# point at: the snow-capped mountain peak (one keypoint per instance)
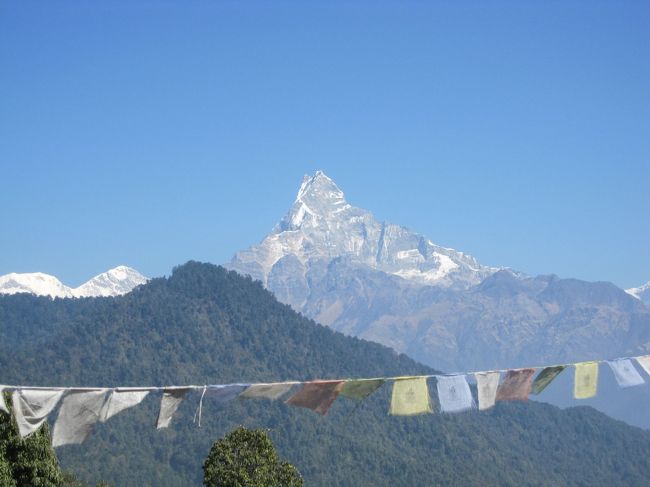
(114, 282)
(641, 292)
(321, 226)
(318, 198)
(35, 283)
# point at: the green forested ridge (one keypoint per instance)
(206, 325)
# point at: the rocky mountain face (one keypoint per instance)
(322, 228)
(503, 322)
(114, 282)
(642, 292)
(336, 264)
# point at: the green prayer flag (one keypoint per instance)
(545, 377)
(586, 380)
(360, 388)
(410, 396)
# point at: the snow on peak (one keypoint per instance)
(318, 199)
(319, 187)
(321, 226)
(114, 282)
(34, 282)
(641, 292)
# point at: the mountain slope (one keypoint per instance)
(205, 325)
(503, 322)
(114, 282)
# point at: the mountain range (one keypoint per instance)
(204, 325)
(340, 266)
(382, 282)
(337, 264)
(114, 282)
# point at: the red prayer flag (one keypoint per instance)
(516, 386)
(317, 395)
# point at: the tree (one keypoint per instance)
(247, 458)
(30, 461)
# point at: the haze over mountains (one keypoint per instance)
(114, 282)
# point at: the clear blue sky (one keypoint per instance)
(150, 133)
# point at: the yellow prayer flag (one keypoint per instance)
(410, 396)
(586, 380)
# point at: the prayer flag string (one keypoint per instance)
(82, 407)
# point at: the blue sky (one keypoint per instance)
(151, 133)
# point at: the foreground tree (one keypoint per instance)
(247, 458)
(30, 461)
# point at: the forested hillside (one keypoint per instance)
(204, 325)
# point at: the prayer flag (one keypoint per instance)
(268, 391)
(454, 394)
(586, 380)
(410, 397)
(545, 377)
(487, 384)
(79, 412)
(171, 399)
(516, 386)
(644, 362)
(31, 407)
(225, 393)
(221, 393)
(119, 400)
(361, 388)
(625, 373)
(3, 404)
(317, 395)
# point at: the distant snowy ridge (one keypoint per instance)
(322, 226)
(114, 282)
(641, 292)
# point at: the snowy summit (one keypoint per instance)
(321, 226)
(641, 292)
(113, 282)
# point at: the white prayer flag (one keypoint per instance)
(31, 407)
(625, 373)
(226, 392)
(79, 412)
(487, 384)
(268, 391)
(119, 400)
(454, 394)
(3, 404)
(644, 362)
(171, 399)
